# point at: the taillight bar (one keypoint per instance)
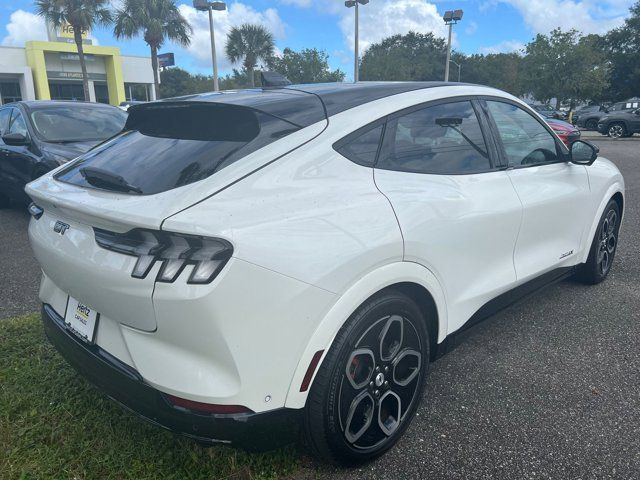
(175, 250)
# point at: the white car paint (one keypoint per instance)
(314, 236)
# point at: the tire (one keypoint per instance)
(380, 357)
(591, 124)
(617, 130)
(603, 247)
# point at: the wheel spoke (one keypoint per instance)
(406, 367)
(360, 416)
(360, 367)
(389, 412)
(391, 338)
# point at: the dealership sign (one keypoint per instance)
(166, 60)
(65, 33)
(55, 75)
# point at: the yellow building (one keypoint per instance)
(45, 70)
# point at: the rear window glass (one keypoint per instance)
(165, 146)
(77, 123)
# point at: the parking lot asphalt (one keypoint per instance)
(549, 388)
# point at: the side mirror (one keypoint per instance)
(583, 153)
(15, 139)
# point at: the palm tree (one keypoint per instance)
(249, 43)
(82, 15)
(157, 20)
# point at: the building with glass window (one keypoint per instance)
(51, 71)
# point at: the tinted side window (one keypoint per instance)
(5, 114)
(525, 140)
(17, 124)
(442, 139)
(364, 148)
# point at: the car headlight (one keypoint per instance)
(603, 119)
(174, 250)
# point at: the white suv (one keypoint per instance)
(245, 267)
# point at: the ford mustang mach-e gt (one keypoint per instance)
(256, 267)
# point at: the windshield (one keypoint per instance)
(77, 123)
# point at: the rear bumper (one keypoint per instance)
(251, 431)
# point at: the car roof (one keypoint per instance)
(38, 104)
(306, 104)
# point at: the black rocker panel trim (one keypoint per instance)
(503, 301)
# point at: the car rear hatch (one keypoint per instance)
(170, 156)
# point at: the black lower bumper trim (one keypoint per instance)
(251, 431)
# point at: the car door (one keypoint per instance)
(19, 161)
(458, 212)
(552, 190)
(5, 117)
(634, 121)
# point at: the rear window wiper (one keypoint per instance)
(104, 179)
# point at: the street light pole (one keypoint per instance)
(459, 67)
(356, 62)
(446, 67)
(356, 58)
(203, 5)
(216, 87)
(450, 18)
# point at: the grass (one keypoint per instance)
(54, 424)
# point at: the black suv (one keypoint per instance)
(587, 117)
(620, 124)
(590, 119)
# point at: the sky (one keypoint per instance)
(488, 26)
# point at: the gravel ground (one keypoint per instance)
(549, 388)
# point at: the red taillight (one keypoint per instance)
(207, 407)
(311, 370)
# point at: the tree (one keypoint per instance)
(81, 15)
(623, 44)
(249, 44)
(307, 66)
(414, 56)
(177, 82)
(157, 20)
(565, 65)
(498, 70)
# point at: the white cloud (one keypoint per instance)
(507, 46)
(24, 26)
(381, 19)
(237, 14)
(587, 16)
(297, 3)
(471, 28)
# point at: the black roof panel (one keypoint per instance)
(306, 104)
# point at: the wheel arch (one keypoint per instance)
(412, 279)
(615, 192)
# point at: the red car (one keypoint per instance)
(567, 132)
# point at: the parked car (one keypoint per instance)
(548, 111)
(37, 136)
(249, 266)
(587, 117)
(567, 132)
(129, 103)
(620, 124)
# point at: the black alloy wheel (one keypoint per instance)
(370, 383)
